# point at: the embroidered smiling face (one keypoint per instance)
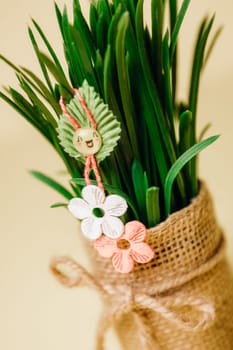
(87, 141)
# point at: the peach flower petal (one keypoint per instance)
(122, 261)
(135, 231)
(141, 252)
(105, 246)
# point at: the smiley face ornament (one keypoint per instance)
(87, 141)
(87, 129)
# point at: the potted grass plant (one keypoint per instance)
(130, 148)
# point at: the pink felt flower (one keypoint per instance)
(127, 249)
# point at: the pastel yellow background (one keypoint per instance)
(36, 313)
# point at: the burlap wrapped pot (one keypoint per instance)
(182, 299)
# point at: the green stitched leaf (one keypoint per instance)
(107, 124)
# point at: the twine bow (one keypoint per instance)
(121, 300)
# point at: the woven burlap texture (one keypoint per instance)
(182, 299)
(189, 263)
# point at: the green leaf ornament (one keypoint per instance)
(108, 126)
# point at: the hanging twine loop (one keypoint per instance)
(121, 300)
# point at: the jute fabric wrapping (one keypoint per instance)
(184, 244)
(182, 299)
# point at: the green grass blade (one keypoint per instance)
(138, 181)
(146, 113)
(157, 20)
(173, 16)
(172, 13)
(10, 64)
(194, 86)
(93, 19)
(59, 17)
(40, 60)
(168, 89)
(178, 165)
(23, 107)
(39, 87)
(197, 67)
(185, 125)
(152, 90)
(85, 61)
(204, 131)
(123, 78)
(211, 46)
(37, 102)
(112, 31)
(177, 27)
(80, 24)
(52, 53)
(35, 83)
(56, 73)
(103, 9)
(185, 142)
(52, 183)
(111, 97)
(152, 206)
(71, 53)
(58, 205)
(102, 34)
(156, 121)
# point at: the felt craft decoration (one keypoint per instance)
(127, 249)
(105, 128)
(99, 213)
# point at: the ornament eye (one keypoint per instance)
(95, 134)
(79, 139)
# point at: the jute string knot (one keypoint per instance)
(189, 312)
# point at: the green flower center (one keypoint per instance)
(98, 212)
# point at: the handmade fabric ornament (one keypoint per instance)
(90, 134)
(88, 130)
(99, 213)
(127, 249)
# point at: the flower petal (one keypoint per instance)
(79, 208)
(135, 231)
(141, 252)
(122, 262)
(91, 227)
(105, 246)
(115, 205)
(93, 195)
(112, 227)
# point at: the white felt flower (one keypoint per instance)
(99, 214)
